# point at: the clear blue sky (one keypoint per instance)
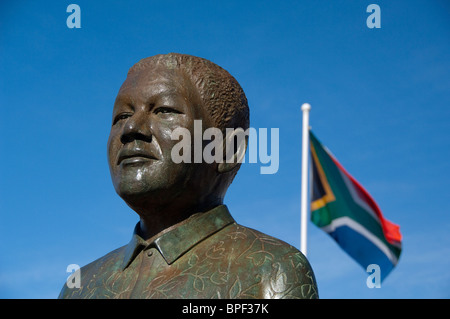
(380, 101)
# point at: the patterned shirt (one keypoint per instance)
(208, 256)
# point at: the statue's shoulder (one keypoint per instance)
(288, 274)
(107, 263)
(91, 273)
(251, 241)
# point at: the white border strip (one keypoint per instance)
(358, 200)
(346, 221)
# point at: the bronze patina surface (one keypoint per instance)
(208, 257)
(186, 244)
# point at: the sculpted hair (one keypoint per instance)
(222, 96)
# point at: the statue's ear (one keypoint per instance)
(234, 146)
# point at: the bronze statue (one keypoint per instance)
(186, 244)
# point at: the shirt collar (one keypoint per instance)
(181, 239)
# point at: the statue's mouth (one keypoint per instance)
(128, 156)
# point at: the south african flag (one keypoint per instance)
(346, 211)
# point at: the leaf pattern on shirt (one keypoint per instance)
(235, 262)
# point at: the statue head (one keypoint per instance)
(160, 94)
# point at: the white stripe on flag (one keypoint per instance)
(358, 200)
(346, 221)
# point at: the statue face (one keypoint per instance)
(150, 104)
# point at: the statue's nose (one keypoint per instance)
(136, 127)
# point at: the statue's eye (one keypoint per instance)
(166, 110)
(120, 117)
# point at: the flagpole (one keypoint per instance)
(304, 195)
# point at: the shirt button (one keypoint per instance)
(150, 253)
